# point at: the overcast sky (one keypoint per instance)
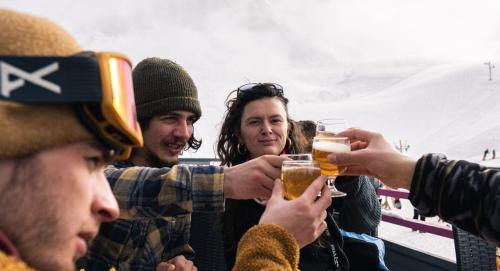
(324, 52)
(349, 30)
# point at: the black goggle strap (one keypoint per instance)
(50, 79)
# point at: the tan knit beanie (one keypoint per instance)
(30, 128)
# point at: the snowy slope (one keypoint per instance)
(451, 109)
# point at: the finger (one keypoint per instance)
(265, 176)
(314, 188)
(348, 158)
(278, 190)
(356, 170)
(267, 185)
(275, 160)
(358, 145)
(325, 200)
(164, 266)
(323, 215)
(271, 173)
(357, 134)
(322, 227)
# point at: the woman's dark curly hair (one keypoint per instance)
(240, 215)
(228, 139)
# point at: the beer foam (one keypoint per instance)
(302, 168)
(327, 146)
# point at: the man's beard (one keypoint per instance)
(155, 161)
(30, 232)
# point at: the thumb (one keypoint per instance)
(278, 189)
(165, 266)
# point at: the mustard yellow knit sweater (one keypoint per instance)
(263, 247)
(267, 247)
(9, 263)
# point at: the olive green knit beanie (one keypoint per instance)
(162, 86)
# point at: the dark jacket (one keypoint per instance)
(460, 192)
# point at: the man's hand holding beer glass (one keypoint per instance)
(373, 155)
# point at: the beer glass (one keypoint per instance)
(299, 156)
(327, 142)
(329, 127)
(297, 175)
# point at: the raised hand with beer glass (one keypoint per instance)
(326, 142)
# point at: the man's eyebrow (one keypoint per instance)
(107, 153)
(170, 114)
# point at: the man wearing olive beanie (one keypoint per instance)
(167, 107)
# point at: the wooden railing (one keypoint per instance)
(412, 223)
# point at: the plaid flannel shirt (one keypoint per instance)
(155, 214)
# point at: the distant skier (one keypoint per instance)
(493, 154)
(485, 153)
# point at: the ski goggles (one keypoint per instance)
(98, 84)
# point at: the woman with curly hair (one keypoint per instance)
(257, 123)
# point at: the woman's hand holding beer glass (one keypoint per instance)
(303, 217)
(326, 142)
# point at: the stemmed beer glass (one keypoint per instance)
(326, 142)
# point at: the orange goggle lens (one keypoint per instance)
(118, 103)
(123, 92)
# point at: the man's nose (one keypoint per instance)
(183, 130)
(104, 205)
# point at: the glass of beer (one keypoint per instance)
(299, 157)
(327, 142)
(297, 175)
(329, 127)
(322, 147)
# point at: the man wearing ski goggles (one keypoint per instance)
(99, 85)
(60, 114)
